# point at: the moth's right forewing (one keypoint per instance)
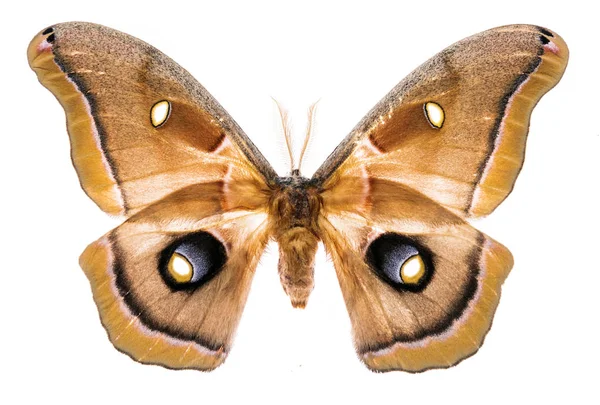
(455, 128)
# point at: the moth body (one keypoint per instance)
(295, 206)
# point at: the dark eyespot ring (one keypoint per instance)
(48, 30)
(192, 260)
(401, 262)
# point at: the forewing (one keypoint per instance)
(128, 149)
(486, 87)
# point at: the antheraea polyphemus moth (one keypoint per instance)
(390, 204)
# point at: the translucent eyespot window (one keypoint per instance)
(412, 270)
(159, 114)
(435, 114)
(180, 269)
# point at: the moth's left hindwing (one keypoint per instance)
(150, 143)
(447, 143)
(171, 282)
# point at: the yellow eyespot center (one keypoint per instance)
(435, 114)
(160, 113)
(413, 270)
(180, 269)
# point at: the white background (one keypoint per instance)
(543, 346)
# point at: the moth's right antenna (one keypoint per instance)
(309, 127)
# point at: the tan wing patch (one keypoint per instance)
(96, 172)
(503, 165)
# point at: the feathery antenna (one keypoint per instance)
(285, 123)
(309, 127)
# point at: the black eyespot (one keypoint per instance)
(401, 262)
(192, 260)
(50, 38)
(544, 39)
(546, 32)
(48, 30)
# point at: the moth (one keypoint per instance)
(390, 204)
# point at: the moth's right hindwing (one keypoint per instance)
(421, 289)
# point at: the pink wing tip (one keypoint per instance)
(552, 47)
(44, 46)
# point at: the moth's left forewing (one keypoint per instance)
(140, 126)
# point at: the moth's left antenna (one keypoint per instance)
(285, 123)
